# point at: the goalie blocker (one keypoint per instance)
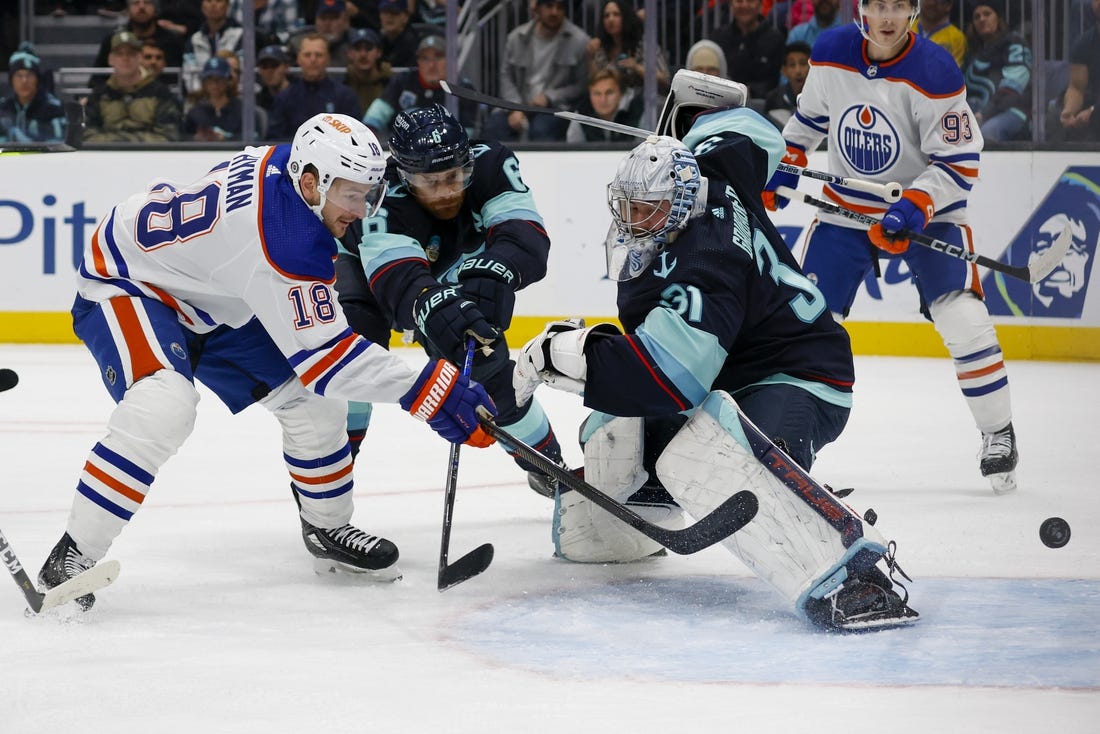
(804, 542)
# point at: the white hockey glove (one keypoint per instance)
(556, 357)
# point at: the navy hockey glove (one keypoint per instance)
(490, 283)
(451, 404)
(909, 215)
(444, 318)
(773, 201)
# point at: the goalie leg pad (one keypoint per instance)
(585, 533)
(803, 541)
(316, 452)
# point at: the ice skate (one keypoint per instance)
(64, 562)
(866, 602)
(347, 549)
(998, 459)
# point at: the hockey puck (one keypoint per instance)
(1054, 532)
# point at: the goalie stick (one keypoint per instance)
(87, 582)
(479, 558)
(723, 521)
(890, 192)
(1031, 273)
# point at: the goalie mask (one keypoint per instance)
(338, 146)
(655, 192)
(693, 92)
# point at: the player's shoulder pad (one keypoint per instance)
(842, 46)
(489, 153)
(294, 240)
(930, 68)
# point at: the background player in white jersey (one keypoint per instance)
(894, 107)
(228, 280)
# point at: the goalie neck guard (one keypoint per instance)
(693, 92)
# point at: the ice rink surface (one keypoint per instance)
(219, 624)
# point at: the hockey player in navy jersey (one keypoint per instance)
(458, 235)
(727, 346)
(893, 106)
(229, 280)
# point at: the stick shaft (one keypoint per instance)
(15, 568)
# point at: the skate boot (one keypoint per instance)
(998, 459)
(64, 562)
(348, 549)
(864, 602)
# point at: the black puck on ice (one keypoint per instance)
(1054, 532)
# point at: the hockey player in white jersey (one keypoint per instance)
(229, 280)
(893, 106)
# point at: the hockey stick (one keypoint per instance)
(479, 558)
(89, 581)
(890, 192)
(1032, 273)
(723, 521)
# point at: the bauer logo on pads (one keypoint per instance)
(1074, 200)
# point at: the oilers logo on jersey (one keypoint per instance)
(869, 142)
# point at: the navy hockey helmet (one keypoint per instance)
(428, 140)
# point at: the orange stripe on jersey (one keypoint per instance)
(327, 478)
(142, 360)
(127, 492)
(961, 170)
(168, 300)
(975, 280)
(861, 208)
(999, 365)
(334, 355)
(99, 263)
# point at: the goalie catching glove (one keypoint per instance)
(491, 284)
(910, 214)
(444, 317)
(556, 357)
(450, 403)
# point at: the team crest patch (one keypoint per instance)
(406, 100)
(868, 141)
(110, 375)
(177, 351)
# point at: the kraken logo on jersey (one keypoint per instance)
(868, 141)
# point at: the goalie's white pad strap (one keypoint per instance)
(803, 540)
(585, 533)
(567, 350)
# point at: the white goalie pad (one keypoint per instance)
(585, 533)
(803, 541)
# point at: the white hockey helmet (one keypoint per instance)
(868, 7)
(338, 146)
(659, 170)
(693, 92)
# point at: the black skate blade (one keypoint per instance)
(95, 578)
(329, 567)
(465, 568)
(906, 618)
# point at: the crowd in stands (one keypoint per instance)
(373, 58)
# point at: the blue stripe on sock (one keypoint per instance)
(103, 502)
(121, 462)
(343, 489)
(976, 392)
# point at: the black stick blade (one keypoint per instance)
(464, 568)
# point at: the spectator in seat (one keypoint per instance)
(618, 44)
(419, 87)
(273, 68)
(783, 100)
(998, 74)
(144, 22)
(218, 32)
(934, 23)
(30, 114)
(753, 48)
(1079, 117)
(707, 57)
(367, 73)
(131, 106)
(315, 92)
(217, 115)
(399, 39)
(607, 100)
(545, 64)
(825, 16)
(274, 20)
